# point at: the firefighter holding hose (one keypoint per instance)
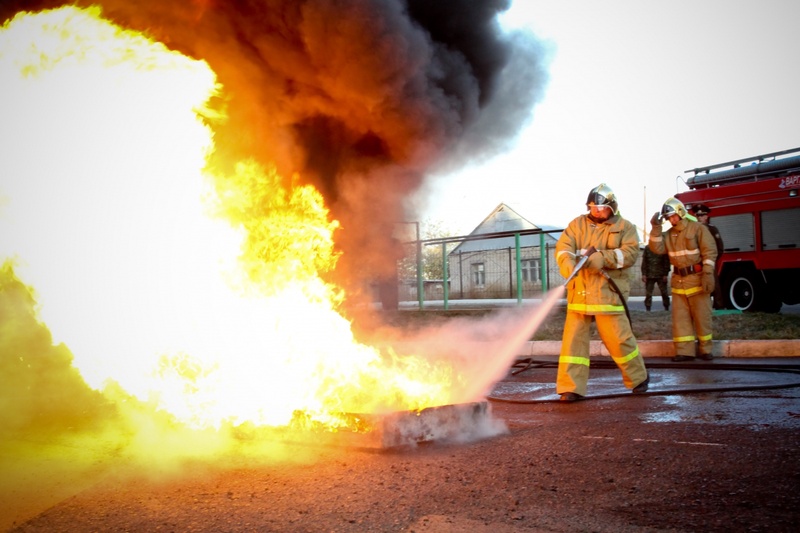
(692, 252)
(595, 253)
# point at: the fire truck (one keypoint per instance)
(755, 205)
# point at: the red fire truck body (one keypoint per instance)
(755, 205)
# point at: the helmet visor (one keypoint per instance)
(596, 198)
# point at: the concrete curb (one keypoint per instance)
(665, 348)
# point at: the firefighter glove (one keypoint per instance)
(656, 219)
(596, 261)
(708, 282)
(566, 266)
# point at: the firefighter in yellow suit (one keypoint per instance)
(596, 294)
(693, 253)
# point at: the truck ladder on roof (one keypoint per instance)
(762, 166)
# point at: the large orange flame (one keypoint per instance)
(199, 294)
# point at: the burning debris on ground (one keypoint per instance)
(465, 422)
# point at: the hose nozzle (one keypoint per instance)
(580, 264)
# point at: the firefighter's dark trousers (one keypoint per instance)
(615, 331)
(648, 291)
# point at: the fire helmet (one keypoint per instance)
(603, 195)
(673, 206)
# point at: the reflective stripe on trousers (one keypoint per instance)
(573, 363)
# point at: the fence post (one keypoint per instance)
(445, 275)
(510, 274)
(461, 274)
(420, 284)
(519, 269)
(543, 273)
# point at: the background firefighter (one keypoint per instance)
(655, 270)
(702, 213)
(692, 253)
(590, 295)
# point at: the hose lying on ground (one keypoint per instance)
(776, 368)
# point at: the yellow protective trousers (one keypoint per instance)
(615, 332)
(691, 321)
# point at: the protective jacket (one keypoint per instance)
(616, 239)
(692, 251)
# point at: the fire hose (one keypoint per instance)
(579, 266)
(775, 368)
(582, 263)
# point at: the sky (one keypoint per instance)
(639, 92)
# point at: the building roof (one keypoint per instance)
(504, 219)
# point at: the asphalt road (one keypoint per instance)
(678, 463)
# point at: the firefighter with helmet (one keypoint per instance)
(597, 292)
(693, 253)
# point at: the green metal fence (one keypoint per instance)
(513, 273)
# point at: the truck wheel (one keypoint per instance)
(742, 292)
(748, 292)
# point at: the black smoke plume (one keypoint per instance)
(365, 99)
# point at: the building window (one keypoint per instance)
(530, 270)
(478, 275)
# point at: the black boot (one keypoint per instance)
(570, 397)
(642, 387)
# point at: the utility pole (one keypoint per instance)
(644, 225)
(420, 284)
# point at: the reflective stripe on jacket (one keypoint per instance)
(590, 292)
(688, 243)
